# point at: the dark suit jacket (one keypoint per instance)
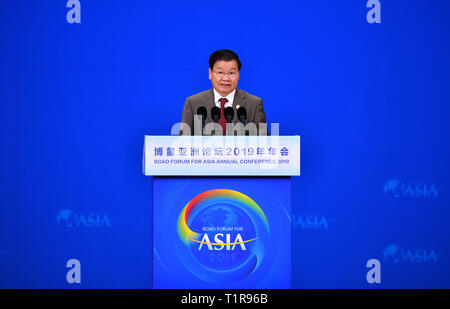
(253, 105)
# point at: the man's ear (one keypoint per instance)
(210, 73)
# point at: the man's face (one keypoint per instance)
(226, 83)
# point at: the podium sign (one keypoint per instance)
(224, 231)
(222, 155)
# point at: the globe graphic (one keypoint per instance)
(229, 221)
(392, 188)
(63, 217)
(392, 252)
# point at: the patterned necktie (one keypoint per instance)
(222, 120)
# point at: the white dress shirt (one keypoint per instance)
(229, 97)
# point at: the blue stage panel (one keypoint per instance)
(195, 217)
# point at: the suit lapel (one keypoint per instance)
(209, 103)
(238, 101)
(209, 100)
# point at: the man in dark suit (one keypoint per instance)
(224, 67)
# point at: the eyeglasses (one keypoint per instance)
(221, 74)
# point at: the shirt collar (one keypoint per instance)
(229, 97)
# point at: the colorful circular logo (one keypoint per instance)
(225, 231)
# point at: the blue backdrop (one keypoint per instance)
(371, 102)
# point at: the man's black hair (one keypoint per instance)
(225, 55)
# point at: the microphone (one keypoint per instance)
(202, 112)
(242, 114)
(229, 114)
(215, 114)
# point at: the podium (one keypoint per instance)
(221, 210)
